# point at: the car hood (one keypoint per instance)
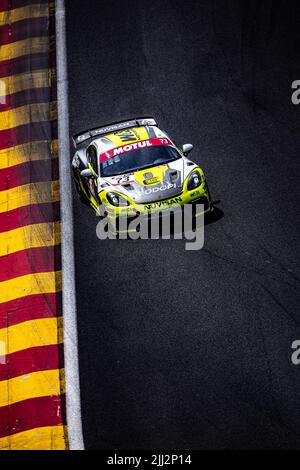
(150, 184)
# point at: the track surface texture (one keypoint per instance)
(178, 349)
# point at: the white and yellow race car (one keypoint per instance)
(133, 167)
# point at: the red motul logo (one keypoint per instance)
(134, 146)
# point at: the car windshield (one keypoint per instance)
(138, 159)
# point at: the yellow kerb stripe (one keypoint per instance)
(26, 81)
(47, 438)
(28, 194)
(36, 384)
(30, 284)
(31, 334)
(26, 114)
(26, 46)
(19, 154)
(24, 13)
(30, 236)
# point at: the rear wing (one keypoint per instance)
(115, 126)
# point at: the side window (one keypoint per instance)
(92, 157)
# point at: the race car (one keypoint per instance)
(133, 167)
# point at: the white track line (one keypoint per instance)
(68, 270)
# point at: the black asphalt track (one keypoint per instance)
(178, 349)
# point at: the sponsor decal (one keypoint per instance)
(133, 146)
(114, 127)
(158, 204)
(127, 135)
(163, 187)
(153, 180)
(122, 179)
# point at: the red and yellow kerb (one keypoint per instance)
(32, 384)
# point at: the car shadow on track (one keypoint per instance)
(214, 216)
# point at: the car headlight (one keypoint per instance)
(117, 200)
(194, 180)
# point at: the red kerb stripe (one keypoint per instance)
(34, 260)
(30, 307)
(30, 96)
(27, 215)
(28, 63)
(37, 359)
(29, 172)
(32, 132)
(33, 413)
(26, 29)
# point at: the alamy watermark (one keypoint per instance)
(179, 222)
(296, 354)
(295, 98)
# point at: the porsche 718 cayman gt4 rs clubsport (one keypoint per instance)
(134, 168)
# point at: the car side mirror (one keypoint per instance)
(187, 148)
(87, 173)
